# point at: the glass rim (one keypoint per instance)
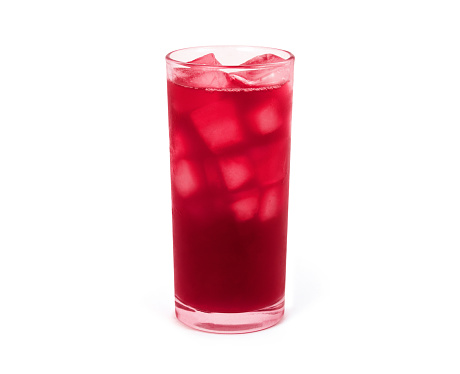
(291, 58)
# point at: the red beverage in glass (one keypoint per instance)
(230, 146)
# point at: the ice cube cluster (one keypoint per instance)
(245, 176)
(261, 71)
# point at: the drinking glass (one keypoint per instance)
(230, 137)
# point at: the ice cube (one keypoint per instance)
(267, 58)
(261, 76)
(211, 79)
(208, 78)
(235, 170)
(266, 77)
(270, 203)
(218, 125)
(185, 177)
(265, 118)
(201, 78)
(246, 205)
(271, 161)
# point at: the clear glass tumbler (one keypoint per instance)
(230, 137)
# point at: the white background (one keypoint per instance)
(86, 282)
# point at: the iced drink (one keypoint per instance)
(230, 146)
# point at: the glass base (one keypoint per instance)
(230, 323)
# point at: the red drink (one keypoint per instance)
(230, 146)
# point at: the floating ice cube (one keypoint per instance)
(271, 161)
(266, 118)
(267, 58)
(270, 203)
(246, 206)
(185, 178)
(270, 76)
(201, 78)
(209, 59)
(211, 79)
(235, 170)
(218, 125)
(266, 72)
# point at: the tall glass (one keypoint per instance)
(230, 136)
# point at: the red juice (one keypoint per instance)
(230, 148)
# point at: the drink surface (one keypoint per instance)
(230, 150)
